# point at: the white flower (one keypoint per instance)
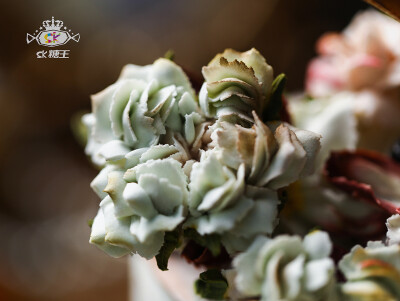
(236, 84)
(286, 268)
(146, 106)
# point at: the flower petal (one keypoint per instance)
(98, 234)
(115, 187)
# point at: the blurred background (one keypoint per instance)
(45, 198)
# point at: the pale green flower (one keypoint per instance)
(139, 205)
(121, 160)
(236, 83)
(221, 202)
(113, 235)
(286, 269)
(260, 219)
(147, 105)
(372, 273)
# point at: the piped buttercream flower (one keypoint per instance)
(169, 175)
(236, 83)
(274, 154)
(364, 56)
(220, 202)
(372, 273)
(287, 268)
(146, 106)
(140, 205)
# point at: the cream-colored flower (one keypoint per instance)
(236, 83)
(274, 155)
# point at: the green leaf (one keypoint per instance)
(211, 285)
(90, 222)
(171, 242)
(211, 242)
(272, 111)
(170, 55)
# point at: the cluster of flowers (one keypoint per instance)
(220, 168)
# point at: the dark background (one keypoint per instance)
(45, 198)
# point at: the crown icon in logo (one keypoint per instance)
(52, 33)
(54, 25)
